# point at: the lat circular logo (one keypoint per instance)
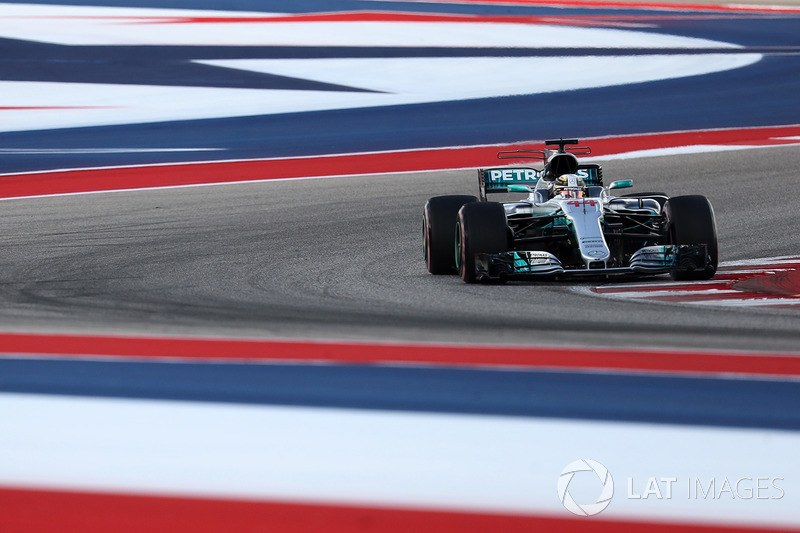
(585, 509)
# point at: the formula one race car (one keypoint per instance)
(570, 225)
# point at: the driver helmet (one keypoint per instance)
(569, 186)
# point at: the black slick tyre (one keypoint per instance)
(482, 228)
(690, 220)
(438, 230)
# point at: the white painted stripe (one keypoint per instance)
(97, 26)
(786, 259)
(60, 151)
(748, 302)
(296, 157)
(396, 82)
(454, 78)
(763, 270)
(684, 150)
(655, 294)
(656, 284)
(661, 6)
(423, 460)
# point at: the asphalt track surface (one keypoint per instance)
(341, 258)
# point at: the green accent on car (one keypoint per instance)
(621, 184)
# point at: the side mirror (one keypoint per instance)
(621, 184)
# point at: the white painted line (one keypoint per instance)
(658, 294)
(393, 82)
(765, 270)
(685, 150)
(422, 460)
(657, 284)
(748, 302)
(763, 261)
(58, 151)
(96, 25)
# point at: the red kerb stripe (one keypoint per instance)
(128, 178)
(40, 511)
(605, 359)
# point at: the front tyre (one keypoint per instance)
(690, 220)
(438, 228)
(481, 228)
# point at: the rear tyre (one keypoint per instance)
(481, 228)
(690, 220)
(438, 228)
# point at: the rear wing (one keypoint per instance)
(493, 180)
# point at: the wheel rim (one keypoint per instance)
(459, 251)
(426, 253)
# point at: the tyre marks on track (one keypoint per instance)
(771, 283)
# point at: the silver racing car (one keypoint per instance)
(569, 225)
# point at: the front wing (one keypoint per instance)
(537, 264)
